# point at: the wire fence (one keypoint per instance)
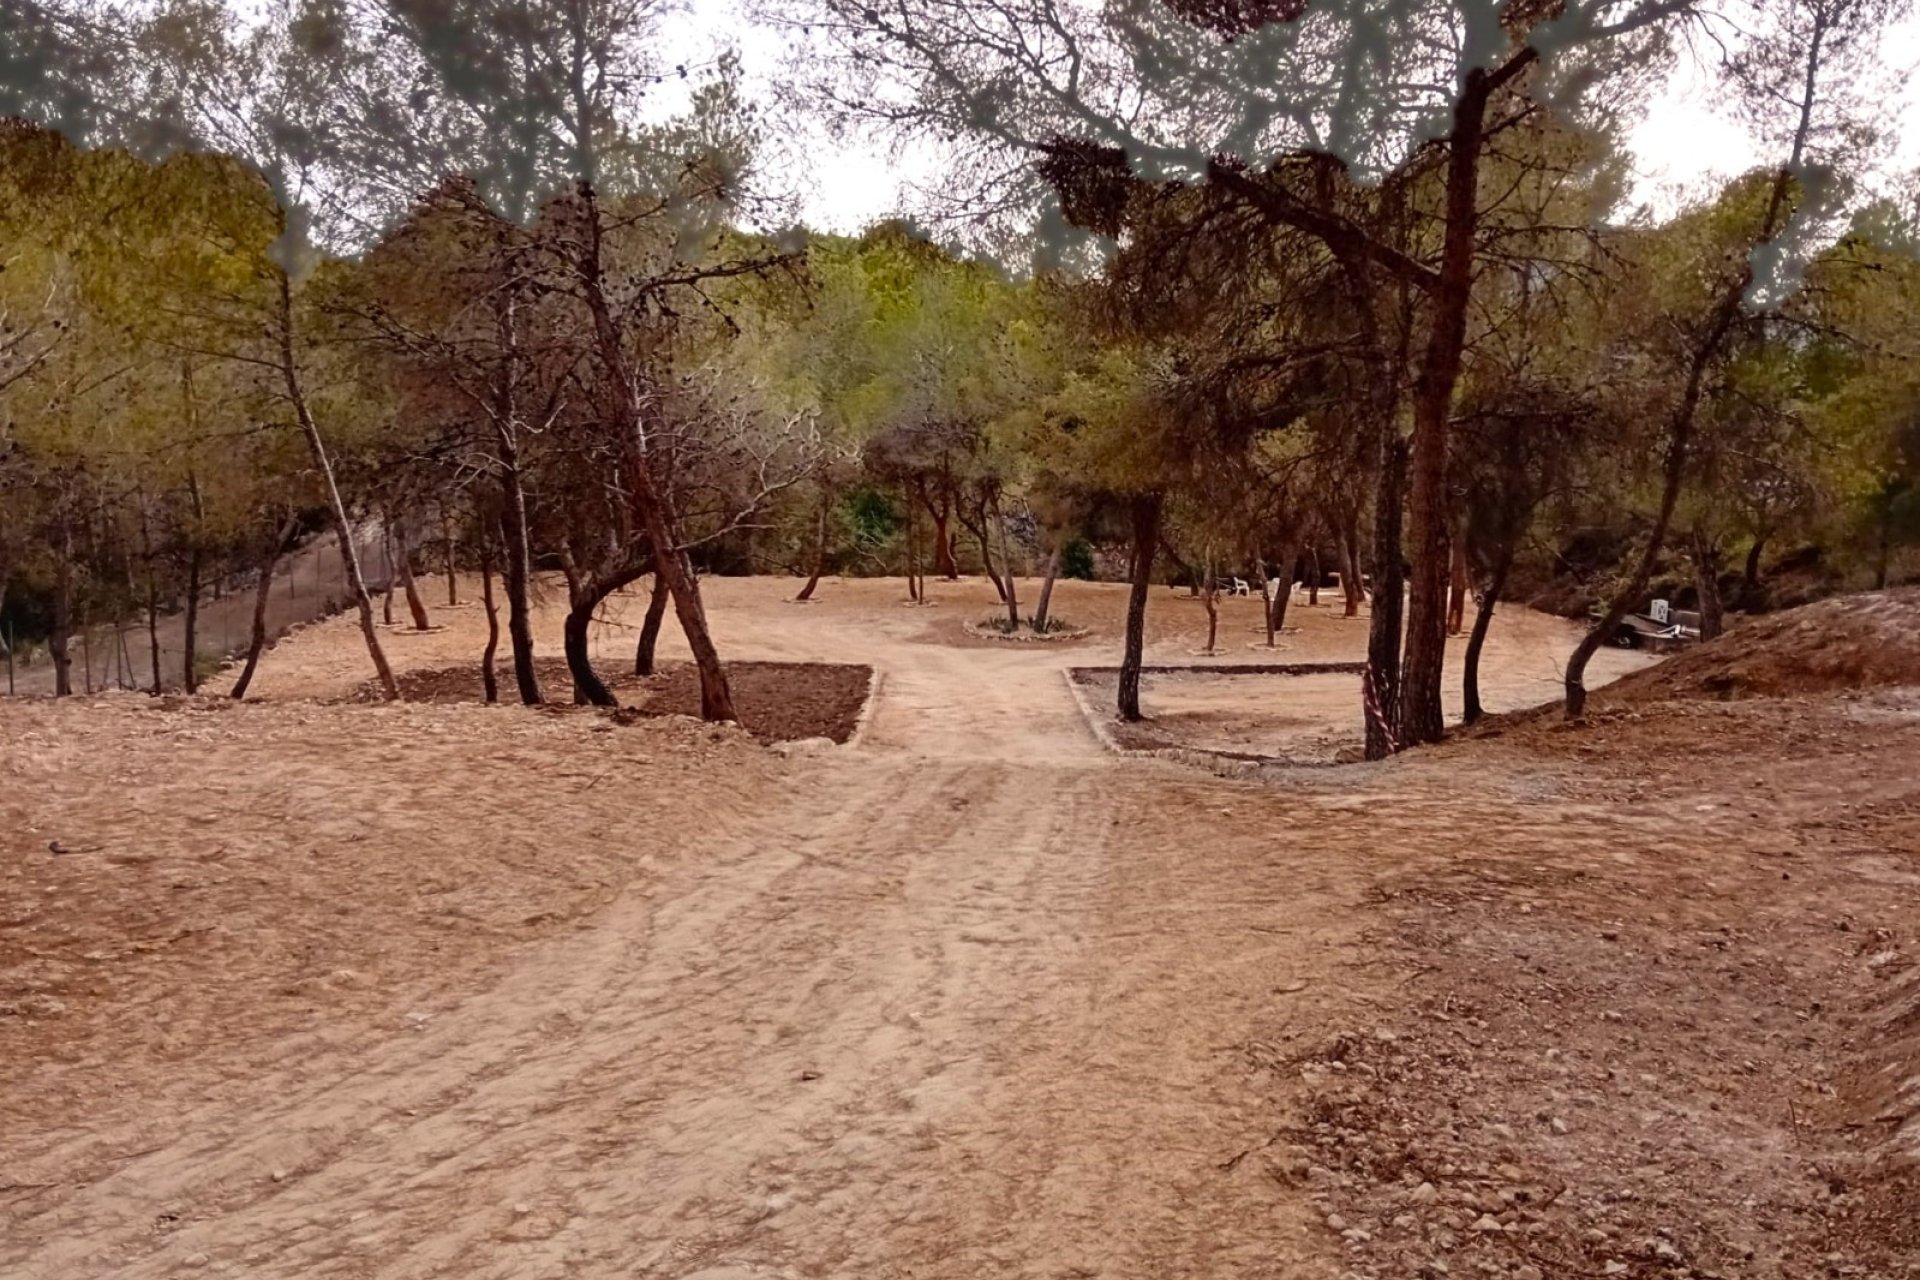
(307, 585)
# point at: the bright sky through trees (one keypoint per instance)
(1683, 148)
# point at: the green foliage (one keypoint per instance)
(1076, 560)
(871, 516)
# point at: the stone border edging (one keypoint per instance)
(865, 718)
(1225, 764)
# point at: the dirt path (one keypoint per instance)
(915, 1013)
(968, 999)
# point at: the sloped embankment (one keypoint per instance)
(1862, 641)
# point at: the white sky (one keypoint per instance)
(1682, 149)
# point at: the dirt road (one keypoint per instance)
(967, 999)
(910, 1011)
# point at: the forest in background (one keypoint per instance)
(453, 297)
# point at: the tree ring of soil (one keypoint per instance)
(988, 630)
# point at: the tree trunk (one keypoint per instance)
(819, 549)
(945, 564)
(914, 592)
(386, 554)
(1483, 618)
(1681, 423)
(257, 639)
(153, 599)
(342, 526)
(489, 684)
(1382, 688)
(1313, 574)
(453, 577)
(1750, 577)
(1006, 559)
(986, 557)
(1276, 608)
(1424, 654)
(643, 652)
(191, 637)
(653, 503)
(1266, 592)
(1884, 557)
(415, 605)
(1679, 440)
(1349, 578)
(1457, 588)
(1146, 541)
(517, 554)
(1042, 608)
(588, 687)
(1706, 577)
(192, 621)
(62, 630)
(1210, 600)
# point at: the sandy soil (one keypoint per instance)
(337, 990)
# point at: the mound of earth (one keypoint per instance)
(777, 701)
(1860, 641)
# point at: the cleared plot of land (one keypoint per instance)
(455, 991)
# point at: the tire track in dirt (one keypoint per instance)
(901, 1020)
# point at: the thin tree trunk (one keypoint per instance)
(1313, 570)
(1457, 588)
(945, 564)
(453, 577)
(1884, 558)
(62, 628)
(342, 526)
(1276, 608)
(1381, 693)
(643, 653)
(192, 622)
(1349, 578)
(415, 605)
(1706, 577)
(914, 593)
(1681, 423)
(386, 553)
(1266, 593)
(153, 598)
(1210, 599)
(489, 683)
(1146, 541)
(191, 638)
(257, 643)
(1476, 641)
(1006, 559)
(1043, 607)
(1750, 578)
(517, 554)
(819, 548)
(986, 556)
